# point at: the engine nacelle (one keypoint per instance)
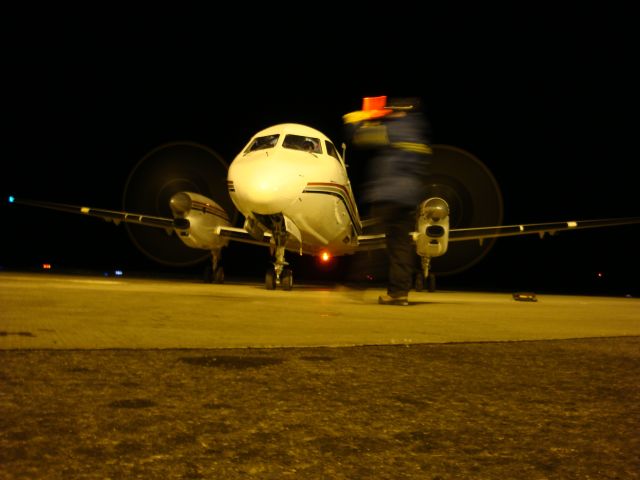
(203, 215)
(432, 236)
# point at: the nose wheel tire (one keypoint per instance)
(286, 279)
(270, 279)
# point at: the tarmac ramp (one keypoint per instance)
(127, 378)
(48, 311)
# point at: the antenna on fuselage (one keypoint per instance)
(344, 153)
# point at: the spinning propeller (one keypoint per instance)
(474, 200)
(163, 172)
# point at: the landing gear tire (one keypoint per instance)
(270, 280)
(207, 274)
(419, 282)
(431, 283)
(286, 279)
(213, 276)
(218, 276)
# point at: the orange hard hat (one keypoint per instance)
(375, 106)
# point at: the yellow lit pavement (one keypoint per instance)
(83, 312)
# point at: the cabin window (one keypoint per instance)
(260, 143)
(301, 142)
(331, 150)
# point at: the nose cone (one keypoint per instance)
(180, 204)
(264, 187)
(435, 209)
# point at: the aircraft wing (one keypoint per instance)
(169, 224)
(377, 241)
(481, 233)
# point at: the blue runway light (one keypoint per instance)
(11, 198)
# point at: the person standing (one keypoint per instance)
(400, 136)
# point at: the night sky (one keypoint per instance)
(546, 99)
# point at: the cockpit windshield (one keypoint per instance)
(299, 142)
(260, 143)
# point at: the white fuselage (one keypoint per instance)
(308, 188)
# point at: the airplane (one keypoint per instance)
(290, 184)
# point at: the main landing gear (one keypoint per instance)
(420, 281)
(214, 273)
(425, 276)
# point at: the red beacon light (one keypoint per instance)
(325, 256)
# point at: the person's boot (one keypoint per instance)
(389, 300)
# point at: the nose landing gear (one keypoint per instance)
(279, 274)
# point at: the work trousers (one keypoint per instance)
(398, 222)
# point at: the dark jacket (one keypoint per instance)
(400, 164)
